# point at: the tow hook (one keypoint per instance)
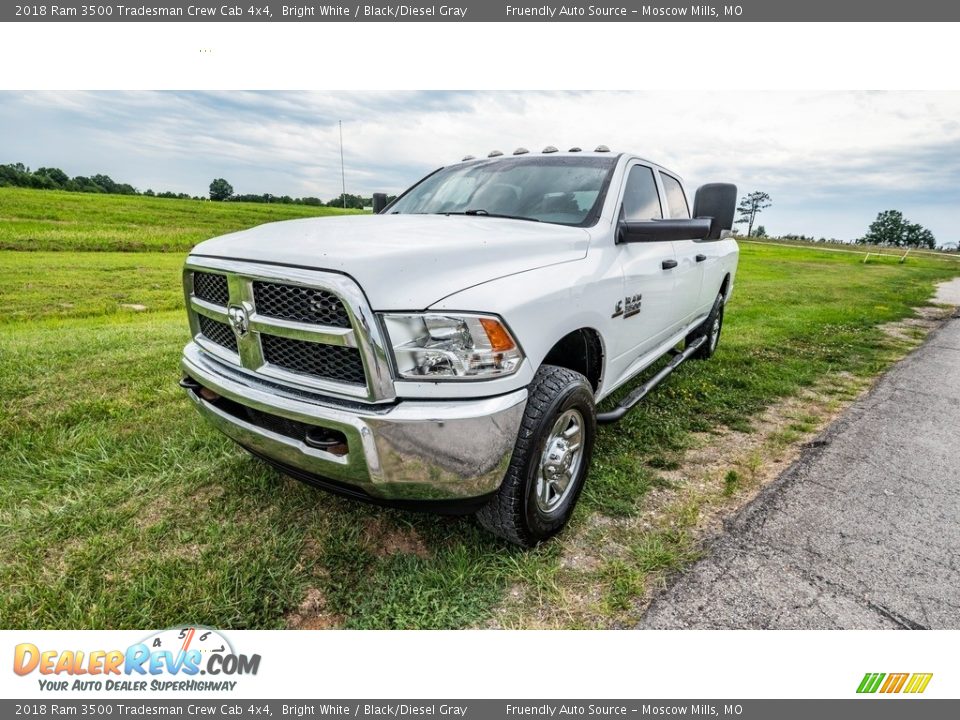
(188, 383)
(329, 441)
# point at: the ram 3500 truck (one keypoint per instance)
(448, 352)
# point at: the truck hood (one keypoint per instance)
(406, 262)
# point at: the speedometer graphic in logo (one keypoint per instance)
(190, 650)
(183, 639)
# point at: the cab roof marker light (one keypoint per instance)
(495, 153)
(574, 149)
(520, 151)
(602, 148)
(468, 157)
(550, 149)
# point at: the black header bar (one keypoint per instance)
(208, 706)
(485, 11)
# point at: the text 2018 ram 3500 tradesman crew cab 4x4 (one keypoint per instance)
(449, 350)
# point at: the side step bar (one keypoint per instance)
(630, 401)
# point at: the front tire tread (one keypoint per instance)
(504, 514)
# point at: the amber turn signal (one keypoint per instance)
(500, 339)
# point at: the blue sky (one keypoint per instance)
(830, 160)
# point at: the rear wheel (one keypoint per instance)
(550, 460)
(711, 329)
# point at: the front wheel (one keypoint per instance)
(550, 460)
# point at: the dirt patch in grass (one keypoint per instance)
(57, 556)
(736, 465)
(611, 568)
(206, 494)
(188, 551)
(911, 329)
(383, 538)
(311, 553)
(146, 513)
(312, 613)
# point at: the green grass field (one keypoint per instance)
(120, 508)
(54, 220)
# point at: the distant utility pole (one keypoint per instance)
(343, 178)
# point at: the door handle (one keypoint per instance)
(668, 264)
(701, 258)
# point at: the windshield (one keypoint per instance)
(563, 190)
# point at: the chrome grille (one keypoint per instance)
(211, 287)
(300, 304)
(341, 364)
(218, 332)
(308, 329)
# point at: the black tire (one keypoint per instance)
(711, 328)
(515, 513)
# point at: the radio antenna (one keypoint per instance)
(343, 177)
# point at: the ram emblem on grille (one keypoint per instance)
(239, 321)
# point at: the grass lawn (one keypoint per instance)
(38, 285)
(55, 220)
(120, 508)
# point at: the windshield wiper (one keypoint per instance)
(484, 213)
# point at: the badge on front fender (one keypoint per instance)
(628, 307)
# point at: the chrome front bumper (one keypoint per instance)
(408, 451)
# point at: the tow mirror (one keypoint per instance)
(379, 202)
(716, 202)
(663, 230)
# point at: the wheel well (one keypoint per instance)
(725, 285)
(580, 351)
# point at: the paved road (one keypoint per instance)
(863, 531)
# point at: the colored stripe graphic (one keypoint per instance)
(918, 683)
(870, 682)
(894, 683)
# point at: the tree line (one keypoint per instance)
(44, 178)
(222, 191)
(19, 175)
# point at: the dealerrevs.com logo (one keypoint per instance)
(173, 659)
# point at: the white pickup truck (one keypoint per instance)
(448, 352)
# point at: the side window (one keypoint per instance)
(641, 201)
(676, 200)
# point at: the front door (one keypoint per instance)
(647, 310)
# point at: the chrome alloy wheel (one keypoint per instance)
(560, 462)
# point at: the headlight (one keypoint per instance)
(435, 346)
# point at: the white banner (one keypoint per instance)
(468, 664)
